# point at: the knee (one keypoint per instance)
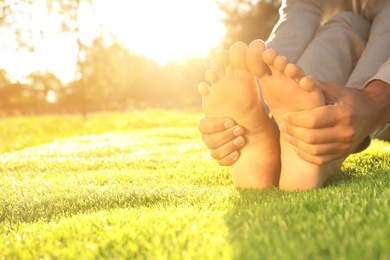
(381, 22)
(379, 12)
(348, 21)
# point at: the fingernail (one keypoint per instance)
(237, 131)
(238, 142)
(228, 124)
(233, 155)
(282, 128)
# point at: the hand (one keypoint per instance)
(223, 137)
(333, 131)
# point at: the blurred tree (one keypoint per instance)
(23, 21)
(69, 12)
(247, 20)
(193, 70)
(5, 89)
(14, 17)
(12, 94)
(41, 88)
(105, 72)
(112, 74)
(17, 25)
(36, 91)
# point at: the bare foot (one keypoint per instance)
(286, 89)
(234, 94)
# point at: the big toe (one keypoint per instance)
(237, 54)
(254, 59)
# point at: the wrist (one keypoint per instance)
(378, 92)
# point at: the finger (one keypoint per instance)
(341, 133)
(319, 160)
(229, 159)
(213, 125)
(213, 141)
(321, 117)
(320, 149)
(226, 149)
(313, 136)
(332, 92)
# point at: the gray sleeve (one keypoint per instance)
(383, 73)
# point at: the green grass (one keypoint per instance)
(142, 185)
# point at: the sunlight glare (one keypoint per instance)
(164, 30)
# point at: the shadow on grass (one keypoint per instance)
(326, 223)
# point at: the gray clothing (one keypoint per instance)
(344, 41)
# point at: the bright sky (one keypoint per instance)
(163, 30)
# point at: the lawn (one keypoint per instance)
(141, 185)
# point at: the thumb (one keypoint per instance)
(330, 91)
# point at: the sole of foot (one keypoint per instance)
(234, 93)
(285, 88)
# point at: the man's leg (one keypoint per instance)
(298, 23)
(376, 53)
(331, 56)
(284, 92)
(374, 63)
(336, 48)
(335, 131)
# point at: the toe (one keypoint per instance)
(308, 84)
(222, 57)
(254, 60)
(280, 63)
(211, 76)
(237, 55)
(294, 71)
(217, 68)
(203, 89)
(269, 56)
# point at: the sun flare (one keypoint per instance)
(164, 30)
